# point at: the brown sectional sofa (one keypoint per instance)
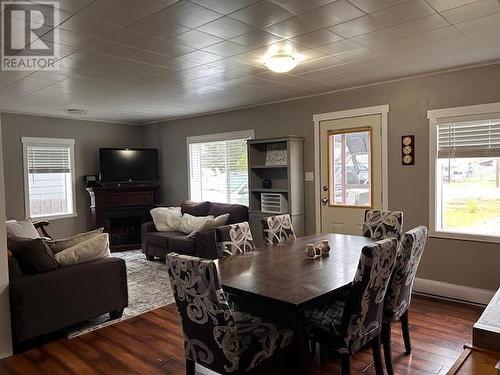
(158, 244)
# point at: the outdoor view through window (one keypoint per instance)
(468, 177)
(350, 172)
(48, 176)
(218, 171)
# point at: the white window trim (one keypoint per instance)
(26, 141)
(435, 117)
(213, 138)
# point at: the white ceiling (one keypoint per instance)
(142, 61)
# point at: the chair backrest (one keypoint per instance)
(210, 335)
(362, 320)
(277, 229)
(234, 239)
(398, 295)
(380, 224)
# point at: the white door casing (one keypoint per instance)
(318, 118)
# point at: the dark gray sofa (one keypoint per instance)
(43, 303)
(158, 244)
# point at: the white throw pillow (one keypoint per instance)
(211, 224)
(22, 229)
(192, 223)
(166, 219)
(94, 248)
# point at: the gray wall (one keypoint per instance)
(89, 136)
(460, 262)
(5, 331)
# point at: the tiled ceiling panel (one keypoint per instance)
(131, 61)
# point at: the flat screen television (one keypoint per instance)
(128, 165)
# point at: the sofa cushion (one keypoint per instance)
(159, 239)
(181, 243)
(195, 208)
(237, 212)
(32, 255)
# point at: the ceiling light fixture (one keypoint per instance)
(282, 62)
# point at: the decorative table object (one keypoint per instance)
(325, 247)
(276, 154)
(310, 251)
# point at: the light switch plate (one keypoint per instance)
(309, 176)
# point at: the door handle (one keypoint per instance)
(324, 201)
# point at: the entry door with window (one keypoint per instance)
(351, 171)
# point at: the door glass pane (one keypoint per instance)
(350, 168)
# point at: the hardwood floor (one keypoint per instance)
(152, 344)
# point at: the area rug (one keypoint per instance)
(148, 289)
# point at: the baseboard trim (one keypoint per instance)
(453, 291)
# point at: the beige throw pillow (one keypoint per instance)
(211, 224)
(22, 229)
(94, 248)
(190, 223)
(167, 219)
(59, 245)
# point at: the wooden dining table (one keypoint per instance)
(279, 283)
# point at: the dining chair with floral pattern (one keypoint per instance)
(379, 224)
(398, 297)
(277, 229)
(216, 336)
(234, 239)
(347, 326)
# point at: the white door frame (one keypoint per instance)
(366, 111)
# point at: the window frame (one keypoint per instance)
(331, 178)
(215, 137)
(436, 117)
(30, 141)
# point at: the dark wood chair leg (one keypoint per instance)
(377, 356)
(406, 332)
(386, 340)
(346, 364)
(190, 367)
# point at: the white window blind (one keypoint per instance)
(49, 177)
(480, 138)
(49, 159)
(218, 167)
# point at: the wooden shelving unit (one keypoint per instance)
(286, 179)
(269, 190)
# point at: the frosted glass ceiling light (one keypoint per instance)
(282, 62)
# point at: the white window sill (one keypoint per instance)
(464, 237)
(53, 217)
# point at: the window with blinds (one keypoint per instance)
(218, 167)
(468, 175)
(469, 139)
(49, 180)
